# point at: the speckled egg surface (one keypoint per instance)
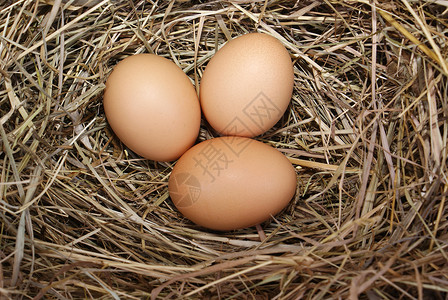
(247, 85)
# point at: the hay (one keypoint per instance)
(367, 128)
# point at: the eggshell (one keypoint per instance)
(229, 183)
(247, 85)
(152, 107)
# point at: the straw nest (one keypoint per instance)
(367, 129)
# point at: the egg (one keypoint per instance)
(228, 183)
(152, 107)
(247, 85)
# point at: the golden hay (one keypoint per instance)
(367, 129)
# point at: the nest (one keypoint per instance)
(367, 128)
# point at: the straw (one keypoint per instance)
(83, 217)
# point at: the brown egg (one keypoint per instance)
(247, 86)
(229, 183)
(152, 107)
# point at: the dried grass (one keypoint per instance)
(367, 128)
